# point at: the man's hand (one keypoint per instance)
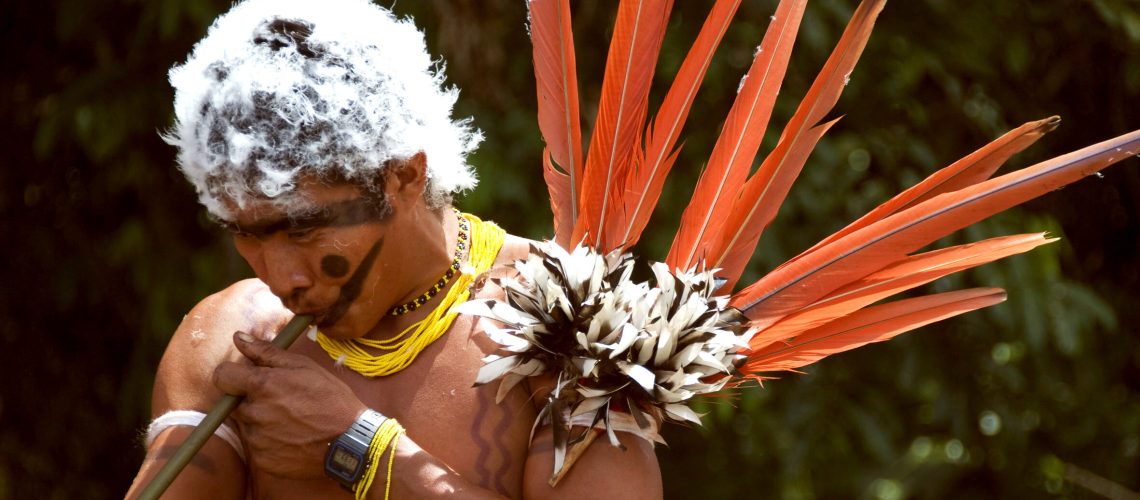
(292, 409)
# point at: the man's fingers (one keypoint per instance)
(237, 378)
(263, 353)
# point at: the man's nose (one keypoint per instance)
(287, 272)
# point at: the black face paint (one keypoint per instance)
(351, 288)
(346, 213)
(334, 266)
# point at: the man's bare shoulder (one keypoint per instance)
(205, 339)
(514, 248)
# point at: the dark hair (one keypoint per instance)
(371, 188)
(278, 33)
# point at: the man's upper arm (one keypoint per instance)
(216, 472)
(204, 340)
(184, 381)
(602, 471)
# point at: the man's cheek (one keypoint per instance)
(351, 289)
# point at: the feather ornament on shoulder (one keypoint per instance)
(616, 344)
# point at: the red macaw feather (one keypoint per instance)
(972, 169)
(800, 283)
(770, 185)
(643, 186)
(560, 187)
(638, 32)
(873, 324)
(750, 215)
(739, 140)
(556, 82)
(898, 277)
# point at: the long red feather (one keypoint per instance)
(791, 287)
(767, 189)
(556, 82)
(750, 214)
(559, 186)
(873, 324)
(903, 275)
(643, 187)
(638, 32)
(739, 140)
(972, 169)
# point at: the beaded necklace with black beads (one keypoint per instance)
(460, 249)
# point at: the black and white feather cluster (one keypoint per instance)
(610, 343)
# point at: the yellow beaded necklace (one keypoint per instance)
(398, 352)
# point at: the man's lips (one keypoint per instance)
(318, 315)
(322, 314)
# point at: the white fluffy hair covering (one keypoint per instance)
(280, 89)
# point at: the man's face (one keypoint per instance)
(326, 259)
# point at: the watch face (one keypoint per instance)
(344, 462)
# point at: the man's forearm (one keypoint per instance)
(418, 474)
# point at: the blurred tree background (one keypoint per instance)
(1037, 397)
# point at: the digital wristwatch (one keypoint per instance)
(347, 458)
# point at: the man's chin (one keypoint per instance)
(338, 330)
(331, 329)
(327, 321)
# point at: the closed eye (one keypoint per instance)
(300, 232)
(237, 233)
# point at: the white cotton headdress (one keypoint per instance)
(283, 88)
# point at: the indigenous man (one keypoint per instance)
(320, 136)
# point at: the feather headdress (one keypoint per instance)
(614, 346)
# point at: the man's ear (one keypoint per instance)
(408, 177)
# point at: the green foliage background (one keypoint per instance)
(107, 249)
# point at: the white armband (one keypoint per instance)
(192, 418)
